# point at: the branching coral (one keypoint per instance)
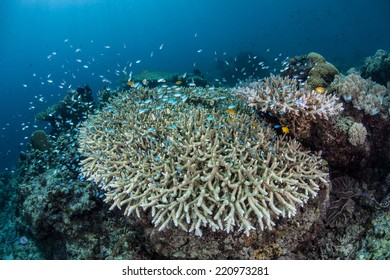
(293, 105)
(196, 168)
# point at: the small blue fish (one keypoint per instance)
(172, 101)
(142, 110)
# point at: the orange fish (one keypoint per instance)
(231, 111)
(320, 89)
(285, 129)
(178, 82)
(130, 83)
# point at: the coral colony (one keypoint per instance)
(290, 102)
(195, 167)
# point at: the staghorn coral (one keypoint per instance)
(297, 107)
(194, 167)
(357, 134)
(365, 94)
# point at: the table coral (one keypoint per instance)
(194, 168)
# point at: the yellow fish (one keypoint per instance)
(285, 129)
(320, 89)
(130, 83)
(231, 111)
(178, 82)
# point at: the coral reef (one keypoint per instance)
(377, 67)
(13, 242)
(376, 245)
(196, 168)
(62, 216)
(294, 106)
(365, 94)
(312, 69)
(5, 192)
(244, 179)
(104, 96)
(352, 204)
(69, 112)
(283, 240)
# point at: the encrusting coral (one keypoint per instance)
(291, 102)
(194, 168)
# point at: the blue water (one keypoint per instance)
(40, 41)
